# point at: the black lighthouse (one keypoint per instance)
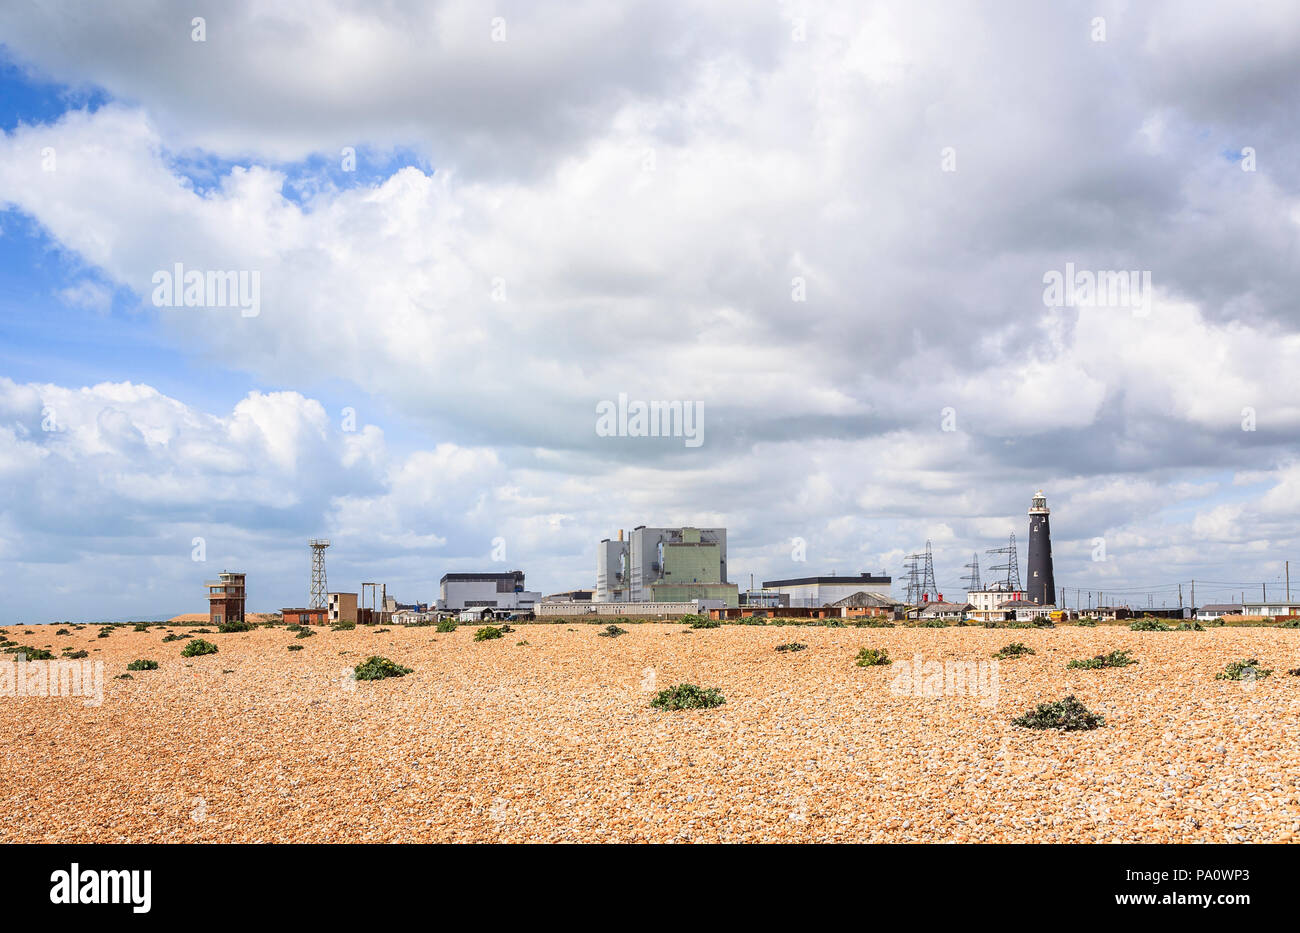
(1041, 581)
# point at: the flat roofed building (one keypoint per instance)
(613, 560)
(676, 556)
(227, 596)
(342, 607)
(811, 592)
(501, 590)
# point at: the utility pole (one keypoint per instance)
(1180, 596)
(1288, 581)
(1193, 594)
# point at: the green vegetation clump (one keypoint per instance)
(32, 654)
(141, 627)
(934, 623)
(380, 631)
(1149, 625)
(445, 626)
(304, 633)
(1192, 626)
(1086, 623)
(687, 696)
(1068, 715)
(487, 633)
(343, 625)
(1114, 659)
(873, 622)
(1290, 623)
(144, 664)
(612, 631)
(295, 647)
(124, 677)
(175, 636)
(1248, 669)
(63, 631)
(792, 646)
(873, 657)
(197, 647)
(377, 668)
(695, 621)
(1014, 650)
(75, 655)
(234, 625)
(522, 644)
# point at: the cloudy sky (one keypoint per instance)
(826, 227)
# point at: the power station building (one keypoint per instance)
(665, 565)
(505, 590)
(815, 592)
(1040, 584)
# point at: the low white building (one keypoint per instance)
(1025, 611)
(503, 590)
(815, 592)
(1271, 609)
(1218, 611)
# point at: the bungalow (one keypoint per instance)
(304, 616)
(1218, 611)
(1024, 611)
(863, 604)
(1270, 610)
(947, 612)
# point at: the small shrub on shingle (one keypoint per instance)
(1068, 715)
(1014, 650)
(873, 657)
(377, 668)
(1247, 669)
(688, 696)
(1097, 662)
(198, 647)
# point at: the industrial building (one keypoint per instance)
(665, 565)
(301, 616)
(813, 592)
(613, 559)
(502, 590)
(342, 607)
(227, 596)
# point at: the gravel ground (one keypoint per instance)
(555, 740)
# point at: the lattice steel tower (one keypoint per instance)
(972, 579)
(319, 589)
(1011, 583)
(920, 577)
